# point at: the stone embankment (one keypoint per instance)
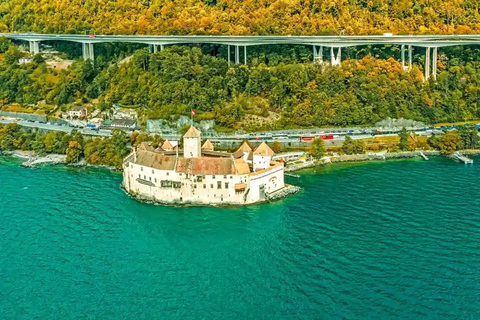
(283, 193)
(372, 156)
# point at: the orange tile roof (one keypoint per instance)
(167, 145)
(145, 146)
(208, 145)
(155, 160)
(192, 133)
(245, 147)
(263, 150)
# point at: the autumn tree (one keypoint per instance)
(74, 152)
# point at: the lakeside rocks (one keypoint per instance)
(287, 191)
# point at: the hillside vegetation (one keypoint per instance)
(273, 17)
(171, 82)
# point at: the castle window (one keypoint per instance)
(211, 186)
(155, 180)
(150, 178)
(144, 177)
(167, 173)
(219, 184)
(225, 177)
(213, 177)
(195, 186)
(204, 186)
(226, 185)
(153, 171)
(139, 177)
(141, 168)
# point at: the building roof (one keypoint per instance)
(145, 146)
(263, 150)
(77, 108)
(245, 147)
(241, 166)
(192, 133)
(208, 145)
(155, 160)
(167, 145)
(206, 166)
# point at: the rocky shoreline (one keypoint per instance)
(380, 156)
(287, 191)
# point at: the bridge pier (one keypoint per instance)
(433, 55)
(88, 52)
(156, 47)
(336, 60)
(34, 47)
(318, 55)
(434, 66)
(402, 51)
(410, 57)
(228, 54)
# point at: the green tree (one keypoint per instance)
(348, 145)
(404, 136)
(468, 137)
(277, 147)
(12, 55)
(317, 148)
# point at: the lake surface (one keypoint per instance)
(398, 239)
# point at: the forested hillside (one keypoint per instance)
(171, 82)
(241, 17)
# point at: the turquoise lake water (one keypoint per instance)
(398, 239)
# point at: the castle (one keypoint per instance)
(199, 175)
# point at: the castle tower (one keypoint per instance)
(192, 143)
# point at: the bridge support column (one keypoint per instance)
(228, 54)
(88, 52)
(237, 55)
(245, 55)
(318, 55)
(402, 49)
(336, 60)
(34, 47)
(155, 48)
(427, 64)
(434, 63)
(161, 47)
(410, 57)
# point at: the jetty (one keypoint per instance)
(462, 158)
(424, 157)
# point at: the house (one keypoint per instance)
(77, 112)
(169, 146)
(201, 176)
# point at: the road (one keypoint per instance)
(53, 127)
(283, 136)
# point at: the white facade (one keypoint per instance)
(169, 186)
(261, 162)
(164, 178)
(192, 147)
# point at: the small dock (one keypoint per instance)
(424, 157)
(461, 158)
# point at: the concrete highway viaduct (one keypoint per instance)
(236, 44)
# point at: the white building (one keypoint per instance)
(77, 112)
(202, 176)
